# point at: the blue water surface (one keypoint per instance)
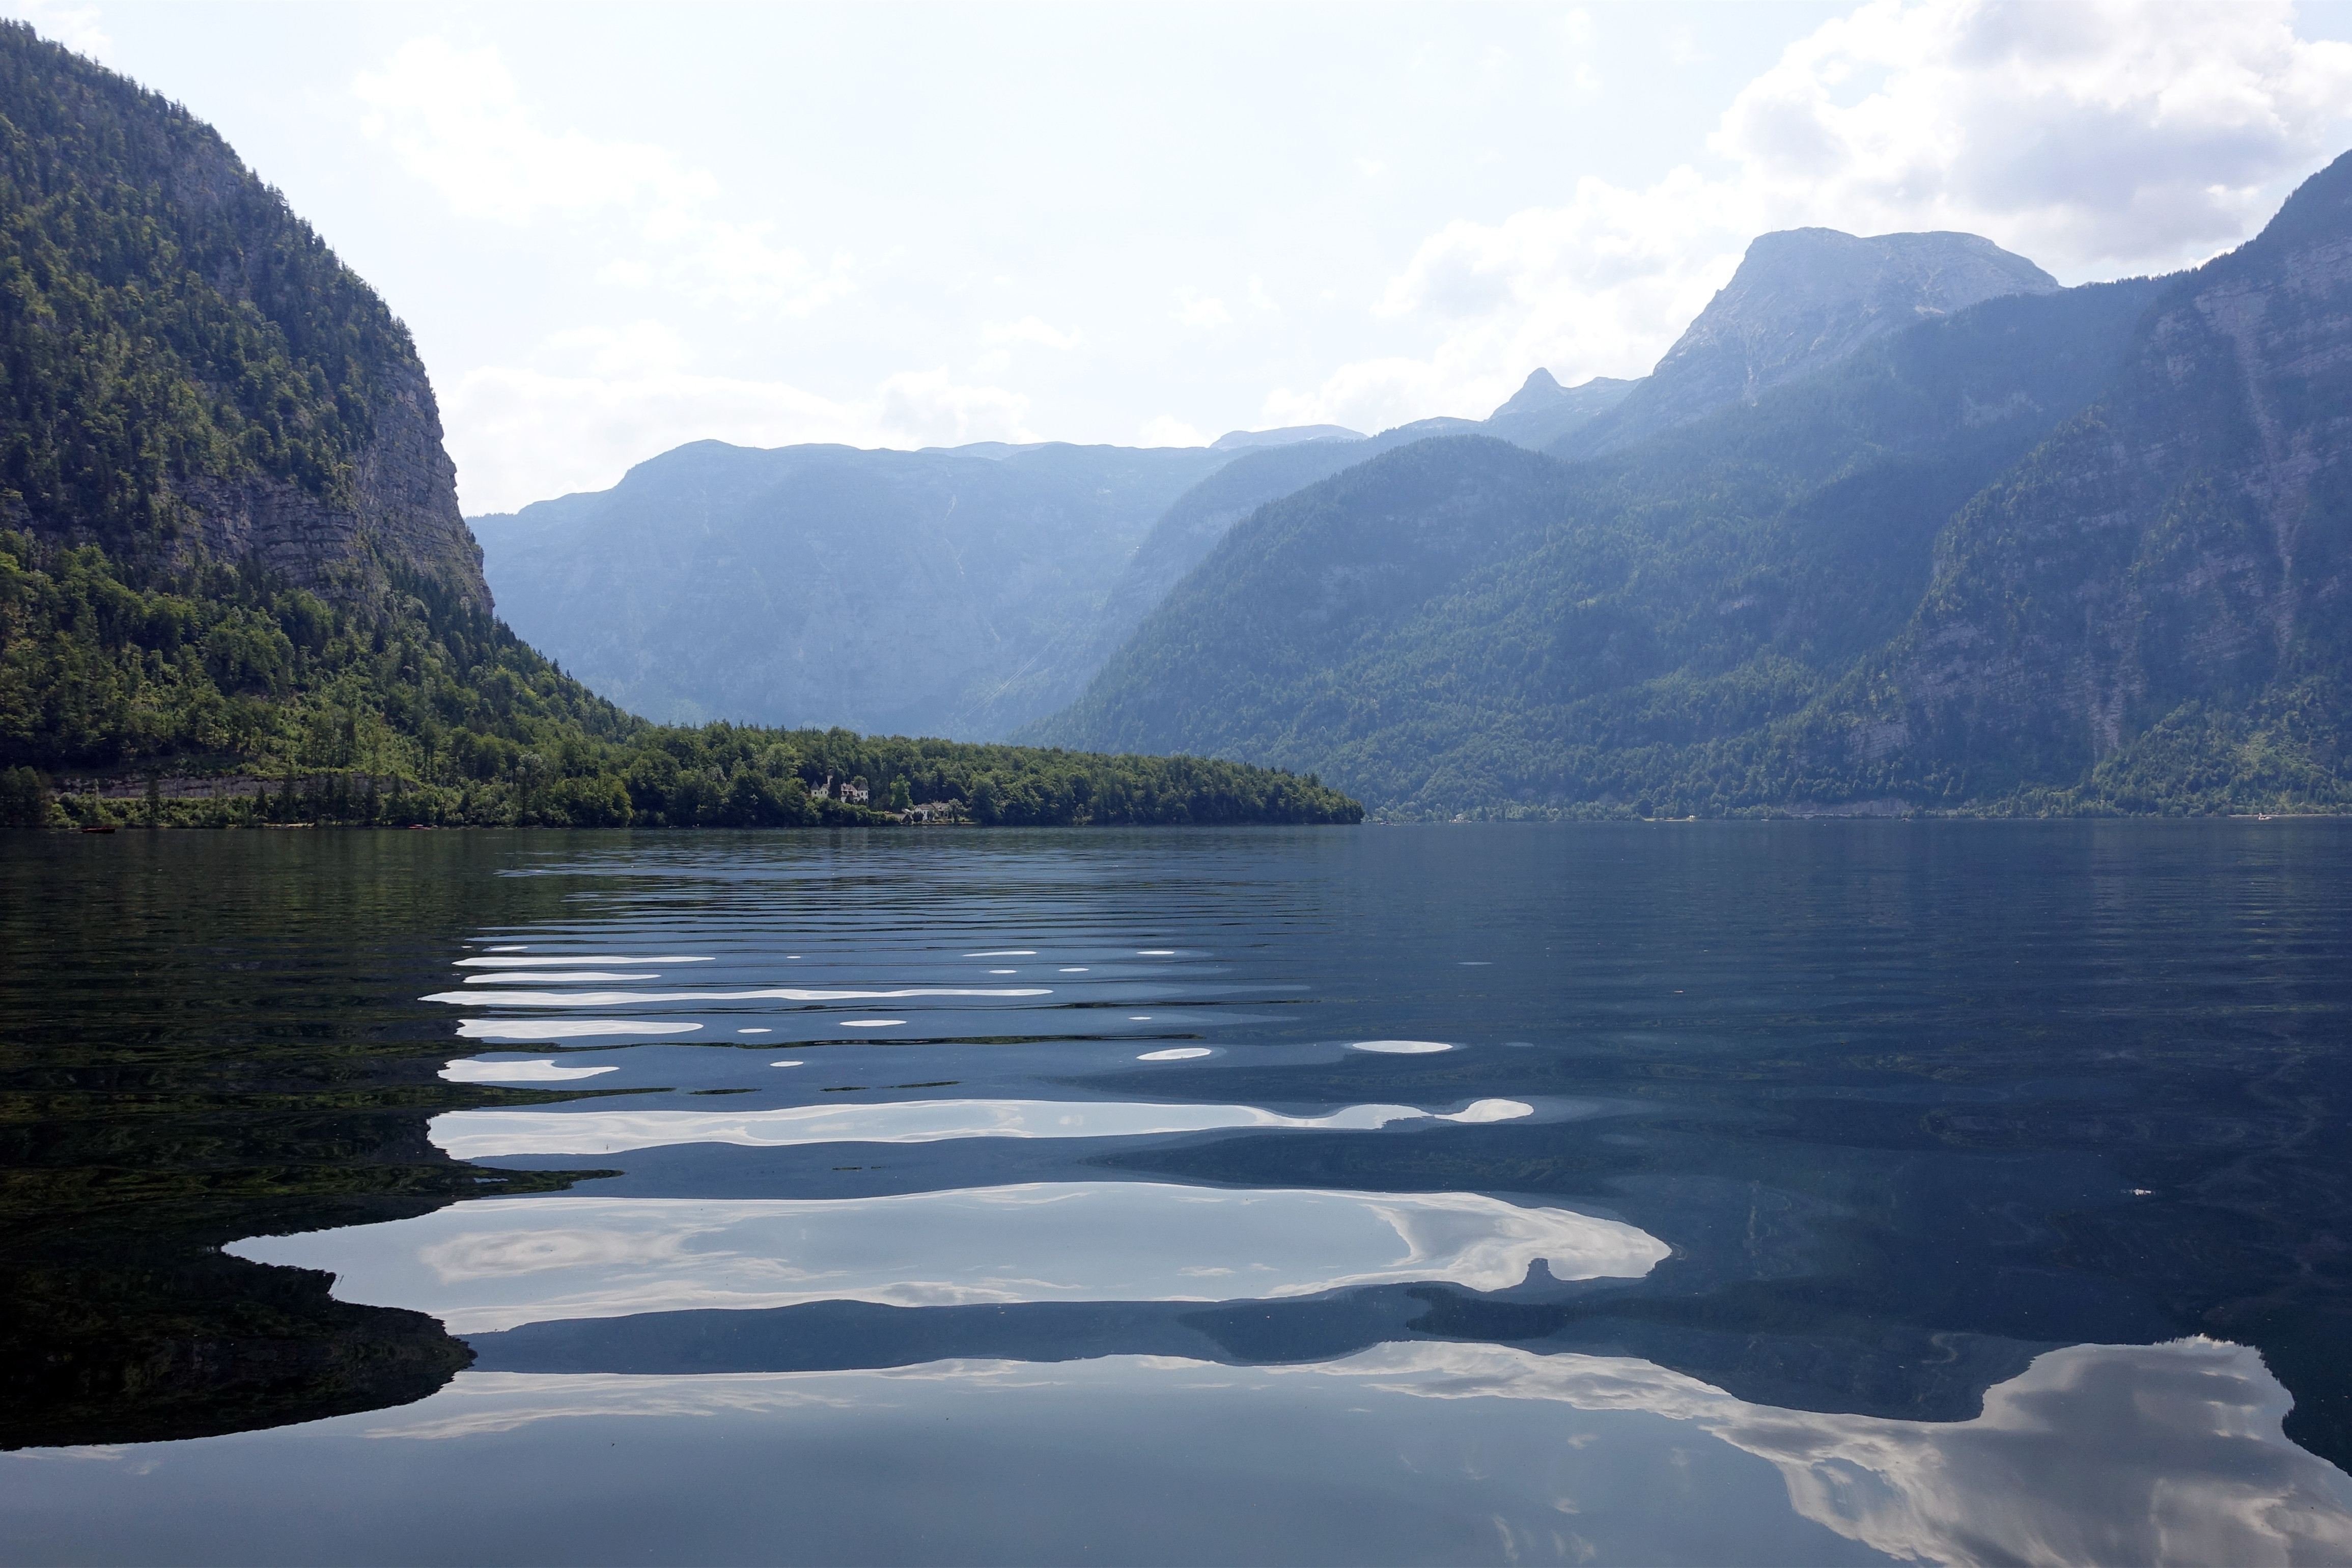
(1809, 1192)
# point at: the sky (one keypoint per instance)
(616, 228)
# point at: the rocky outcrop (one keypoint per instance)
(403, 510)
(1802, 298)
(2187, 540)
(1542, 410)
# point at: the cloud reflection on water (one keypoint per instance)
(2140, 1454)
(2167, 1453)
(770, 993)
(481, 1268)
(492, 1134)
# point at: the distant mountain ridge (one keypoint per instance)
(966, 590)
(1046, 593)
(1288, 435)
(904, 592)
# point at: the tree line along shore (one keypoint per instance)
(264, 703)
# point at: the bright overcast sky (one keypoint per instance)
(614, 229)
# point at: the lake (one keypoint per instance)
(1804, 1192)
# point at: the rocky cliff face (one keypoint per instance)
(400, 506)
(2185, 542)
(1802, 298)
(185, 370)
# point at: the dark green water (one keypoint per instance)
(1794, 1193)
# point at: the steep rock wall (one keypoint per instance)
(2187, 540)
(402, 507)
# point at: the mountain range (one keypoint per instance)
(1686, 593)
(964, 591)
(2077, 548)
(974, 589)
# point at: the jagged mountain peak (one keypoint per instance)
(1540, 387)
(1802, 298)
(1542, 410)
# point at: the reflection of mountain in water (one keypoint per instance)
(118, 1336)
(237, 1083)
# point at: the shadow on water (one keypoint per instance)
(203, 1037)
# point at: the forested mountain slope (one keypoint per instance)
(2076, 551)
(1460, 626)
(2163, 591)
(1540, 411)
(234, 586)
(188, 370)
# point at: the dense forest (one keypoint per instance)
(431, 711)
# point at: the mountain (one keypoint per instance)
(234, 587)
(1863, 289)
(898, 592)
(2161, 595)
(1827, 597)
(1802, 298)
(966, 590)
(2078, 550)
(1198, 518)
(189, 372)
(984, 587)
(1543, 411)
(1289, 435)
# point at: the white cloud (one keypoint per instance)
(74, 26)
(2095, 139)
(1166, 430)
(1598, 287)
(595, 401)
(929, 408)
(2101, 134)
(1032, 330)
(457, 121)
(636, 348)
(1195, 310)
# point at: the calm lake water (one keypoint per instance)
(1717, 1193)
